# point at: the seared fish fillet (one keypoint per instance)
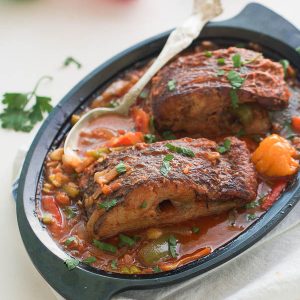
(208, 183)
(191, 95)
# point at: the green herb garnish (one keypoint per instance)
(285, 64)
(105, 246)
(234, 98)
(121, 168)
(225, 147)
(165, 168)
(69, 240)
(172, 85)
(208, 53)
(107, 205)
(180, 150)
(144, 204)
(195, 229)
(235, 79)
(71, 60)
(172, 241)
(89, 260)
(113, 104)
(252, 204)
(237, 61)
(251, 217)
(156, 269)
(70, 213)
(220, 72)
(149, 138)
(114, 264)
(126, 240)
(221, 61)
(168, 135)
(17, 115)
(240, 133)
(71, 263)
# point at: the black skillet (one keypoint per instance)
(255, 23)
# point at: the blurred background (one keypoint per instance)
(36, 36)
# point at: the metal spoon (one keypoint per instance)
(179, 39)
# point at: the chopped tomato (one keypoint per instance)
(127, 139)
(62, 198)
(141, 119)
(274, 194)
(296, 123)
(49, 205)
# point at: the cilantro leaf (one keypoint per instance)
(235, 79)
(114, 264)
(89, 260)
(71, 60)
(107, 205)
(251, 217)
(220, 72)
(225, 147)
(180, 150)
(121, 168)
(171, 85)
(149, 138)
(195, 229)
(221, 61)
(208, 53)
(105, 246)
(285, 64)
(70, 240)
(172, 241)
(165, 167)
(234, 98)
(156, 269)
(236, 59)
(17, 115)
(71, 263)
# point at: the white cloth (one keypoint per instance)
(268, 270)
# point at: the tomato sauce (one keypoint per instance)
(145, 251)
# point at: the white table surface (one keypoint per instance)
(35, 38)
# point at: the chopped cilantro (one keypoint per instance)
(235, 79)
(71, 263)
(236, 59)
(149, 138)
(172, 85)
(105, 246)
(165, 167)
(220, 72)
(126, 240)
(70, 240)
(114, 264)
(252, 204)
(221, 61)
(225, 147)
(156, 269)
(181, 150)
(17, 115)
(107, 205)
(71, 60)
(208, 53)
(89, 260)
(70, 212)
(144, 204)
(121, 168)
(251, 217)
(172, 241)
(195, 229)
(234, 98)
(285, 64)
(168, 135)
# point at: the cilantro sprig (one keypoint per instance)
(20, 112)
(71, 60)
(165, 167)
(180, 150)
(225, 147)
(108, 204)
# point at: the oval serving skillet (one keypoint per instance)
(255, 23)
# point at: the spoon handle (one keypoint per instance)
(179, 39)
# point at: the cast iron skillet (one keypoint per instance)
(255, 23)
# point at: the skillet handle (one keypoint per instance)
(260, 25)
